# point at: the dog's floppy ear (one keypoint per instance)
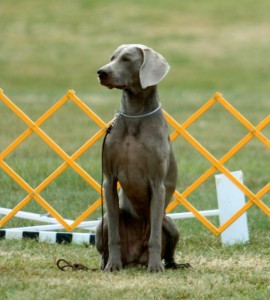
(153, 69)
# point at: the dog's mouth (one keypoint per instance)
(120, 87)
(106, 84)
(110, 85)
(104, 81)
(107, 78)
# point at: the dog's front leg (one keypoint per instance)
(156, 214)
(112, 203)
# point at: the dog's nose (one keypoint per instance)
(102, 73)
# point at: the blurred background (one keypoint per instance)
(50, 46)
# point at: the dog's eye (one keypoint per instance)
(126, 58)
(112, 58)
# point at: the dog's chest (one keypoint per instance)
(132, 151)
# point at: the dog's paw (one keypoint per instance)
(155, 264)
(155, 268)
(113, 266)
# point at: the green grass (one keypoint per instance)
(238, 272)
(48, 47)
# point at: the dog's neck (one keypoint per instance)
(141, 102)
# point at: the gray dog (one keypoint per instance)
(138, 154)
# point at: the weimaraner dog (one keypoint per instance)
(138, 154)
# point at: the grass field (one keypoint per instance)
(48, 47)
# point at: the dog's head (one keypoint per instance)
(131, 65)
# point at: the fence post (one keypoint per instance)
(230, 200)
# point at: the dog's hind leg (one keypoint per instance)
(170, 238)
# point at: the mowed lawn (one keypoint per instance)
(49, 47)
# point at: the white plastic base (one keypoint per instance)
(230, 200)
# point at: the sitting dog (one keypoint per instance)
(138, 155)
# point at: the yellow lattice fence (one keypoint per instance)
(33, 193)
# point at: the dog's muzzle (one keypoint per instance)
(102, 74)
(104, 78)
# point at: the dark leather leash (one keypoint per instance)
(63, 264)
(108, 130)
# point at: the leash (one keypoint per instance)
(108, 130)
(63, 264)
